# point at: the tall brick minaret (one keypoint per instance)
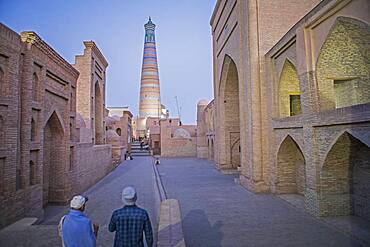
(150, 100)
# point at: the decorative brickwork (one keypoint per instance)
(343, 70)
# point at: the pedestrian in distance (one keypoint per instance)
(130, 222)
(157, 161)
(75, 228)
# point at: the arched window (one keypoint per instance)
(289, 91)
(32, 173)
(35, 82)
(118, 130)
(33, 130)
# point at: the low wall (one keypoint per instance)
(176, 147)
(93, 162)
(118, 154)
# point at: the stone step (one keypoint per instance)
(141, 154)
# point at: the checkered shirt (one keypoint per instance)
(129, 223)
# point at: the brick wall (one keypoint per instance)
(177, 146)
(93, 162)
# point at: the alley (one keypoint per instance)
(104, 198)
(218, 212)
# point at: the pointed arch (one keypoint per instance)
(98, 109)
(342, 67)
(289, 92)
(228, 114)
(55, 111)
(345, 178)
(291, 168)
(54, 159)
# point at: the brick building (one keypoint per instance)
(292, 102)
(91, 92)
(177, 140)
(41, 158)
(119, 131)
(207, 114)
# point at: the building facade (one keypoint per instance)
(292, 99)
(90, 104)
(119, 131)
(41, 158)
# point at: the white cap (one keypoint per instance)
(78, 201)
(129, 195)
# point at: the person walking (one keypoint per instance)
(75, 228)
(130, 222)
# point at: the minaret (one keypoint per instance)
(150, 100)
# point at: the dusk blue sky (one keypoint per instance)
(183, 39)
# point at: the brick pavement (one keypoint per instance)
(104, 197)
(218, 212)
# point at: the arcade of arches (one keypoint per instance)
(292, 108)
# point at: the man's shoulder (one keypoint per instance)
(130, 210)
(80, 216)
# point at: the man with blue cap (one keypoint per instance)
(130, 222)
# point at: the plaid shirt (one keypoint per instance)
(129, 223)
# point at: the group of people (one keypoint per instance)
(129, 223)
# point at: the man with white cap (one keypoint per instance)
(130, 222)
(75, 228)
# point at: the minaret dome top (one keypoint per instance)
(149, 25)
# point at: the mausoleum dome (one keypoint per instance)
(111, 136)
(203, 102)
(181, 133)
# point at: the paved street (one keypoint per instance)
(215, 210)
(218, 212)
(104, 197)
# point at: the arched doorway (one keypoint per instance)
(345, 179)
(229, 116)
(235, 153)
(98, 114)
(54, 152)
(291, 178)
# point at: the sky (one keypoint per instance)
(183, 36)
